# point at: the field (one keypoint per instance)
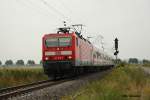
(13, 76)
(123, 83)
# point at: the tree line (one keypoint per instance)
(133, 61)
(137, 61)
(19, 62)
(32, 62)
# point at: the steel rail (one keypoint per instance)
(28, 88)
(9, 89)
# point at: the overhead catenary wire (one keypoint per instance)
(70, 12)
(99, 39)
(66, 7)
(64, 17)
(99, 42)
(51, 9)
(29, 4)
(39, 9)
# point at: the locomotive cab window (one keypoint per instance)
(65, 41)
(51, 42)
(58, 42)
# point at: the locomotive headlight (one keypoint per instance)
(69, 57)
(46, 58)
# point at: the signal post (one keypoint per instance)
(116, 48)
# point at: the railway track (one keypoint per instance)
(12, 92)
(28, 90)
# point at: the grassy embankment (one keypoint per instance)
(123, 83)
(13, 76)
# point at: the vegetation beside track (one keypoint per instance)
(14, 76)
(123, 83)
(146, 65)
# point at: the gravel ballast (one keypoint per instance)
(57, 91)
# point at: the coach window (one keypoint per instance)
(77, 41)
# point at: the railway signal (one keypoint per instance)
(65, 23)
(116, 48)
(116, 44)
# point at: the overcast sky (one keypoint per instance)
(24, 22)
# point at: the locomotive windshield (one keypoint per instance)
(58, 42)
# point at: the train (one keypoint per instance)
(68, 52)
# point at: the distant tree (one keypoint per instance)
(9, 62)
(31, 62)
(41, 62)
(0, 63)
(20, 62)
(145, 61)
(133, 61)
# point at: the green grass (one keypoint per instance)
(121, 82)
(146, 65)
(13, 76)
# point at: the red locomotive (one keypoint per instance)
(68, 52)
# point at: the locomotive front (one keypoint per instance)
(58, 54)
